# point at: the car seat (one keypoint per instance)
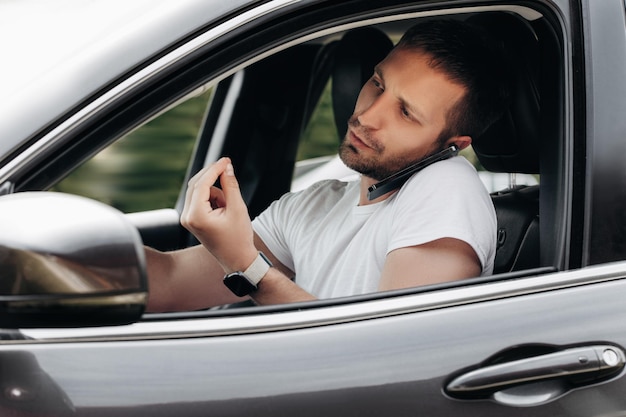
(511, 145)
(355, 57)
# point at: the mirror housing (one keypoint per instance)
(68, 261)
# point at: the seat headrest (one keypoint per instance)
(355, 57)
(512, 143)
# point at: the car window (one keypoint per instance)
(145, 169)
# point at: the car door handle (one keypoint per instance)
(568, 368)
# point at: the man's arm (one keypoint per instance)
(185, 280)
(192, 278)
(277, 286)
(434, 262)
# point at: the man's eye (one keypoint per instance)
(377, 84)
(405, 112)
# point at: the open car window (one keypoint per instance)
(145, 169)
(271, 111)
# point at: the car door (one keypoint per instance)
(546, 340)
(549, 345)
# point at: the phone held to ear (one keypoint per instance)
(396, 180)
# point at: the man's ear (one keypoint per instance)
(461, 142)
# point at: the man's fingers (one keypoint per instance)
(217, 198)
(230, 187)
(202, 197)
(200, 192)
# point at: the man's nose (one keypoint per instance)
(373, 116)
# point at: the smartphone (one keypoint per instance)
(396, 180)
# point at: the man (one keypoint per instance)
(441, 85)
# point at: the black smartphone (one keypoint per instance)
(396, 180)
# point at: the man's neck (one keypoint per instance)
(366, 182)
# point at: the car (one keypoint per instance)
(545, 335)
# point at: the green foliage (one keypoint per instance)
(145, 169)
(320, 138)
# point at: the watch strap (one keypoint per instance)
(257, 270)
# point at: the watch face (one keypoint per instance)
(239, 284)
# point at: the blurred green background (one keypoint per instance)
(320, 137)
(145, 170)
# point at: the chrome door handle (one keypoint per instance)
(568, 368)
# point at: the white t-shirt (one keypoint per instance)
(338, 248)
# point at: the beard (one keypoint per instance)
(376, 166)
(373, 166)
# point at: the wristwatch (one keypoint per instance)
(246, 282)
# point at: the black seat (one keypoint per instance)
(517, 210)
(509, 146)
(512, 144)
(355, 57)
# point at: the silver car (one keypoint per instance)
(85, 84)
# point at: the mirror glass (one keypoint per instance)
(61, 255)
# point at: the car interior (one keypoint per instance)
(526, 139)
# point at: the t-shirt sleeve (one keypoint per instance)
(270, 226)
(446, 200)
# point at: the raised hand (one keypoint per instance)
(219, 217)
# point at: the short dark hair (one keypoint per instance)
(469, 57)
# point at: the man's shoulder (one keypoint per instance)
(457, 168)
(457, 164)
(454, 175)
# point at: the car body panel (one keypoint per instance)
(605, 126)
(126, 36)
(398, 362)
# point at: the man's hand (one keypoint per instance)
(219, 218)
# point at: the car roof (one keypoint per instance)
(56, 54)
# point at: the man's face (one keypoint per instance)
(399, 115)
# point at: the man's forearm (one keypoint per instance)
(184, 280)
(220, 220)
(277, 288)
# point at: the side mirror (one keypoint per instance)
(68, 261)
